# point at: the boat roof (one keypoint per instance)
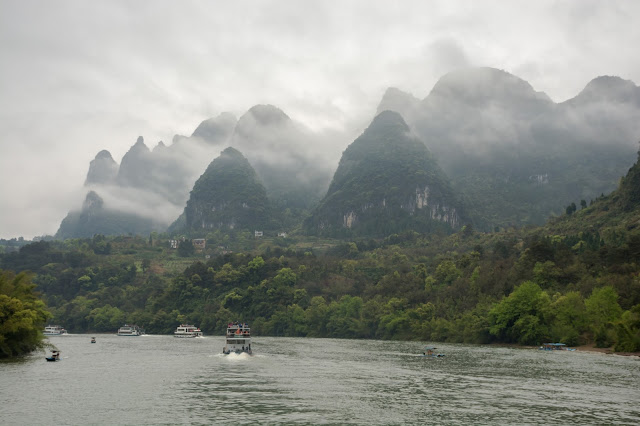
(554, 344)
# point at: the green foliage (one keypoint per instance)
(186, 248)
(602, 306)
(574, 281)
(522, 316)
(373, 192)
(22, 315)
(228, 195)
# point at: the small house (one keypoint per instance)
(199, 243)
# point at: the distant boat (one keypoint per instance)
(429, 352)
(555, 347)
(186, 330)
(93, 340)
(55, 356)
(238, 339)
(130, 330)
(54, 330)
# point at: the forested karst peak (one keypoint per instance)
(159, 147)
(104, 155)
(511, 153)
(92, 201)
(386, 181)
(387, 122)
(228, 195)
(281, 152)
(479, 86)
(135, 168)
(266, 114)
(102, 170)
(140, 145)
(216, 130)
(397, 100)
(608, 89)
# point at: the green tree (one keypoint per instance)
(570, 318)
(522, 316)
(186, 249)
(22, 315)
(602, 306)
(447, 272)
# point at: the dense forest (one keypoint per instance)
(575, 280)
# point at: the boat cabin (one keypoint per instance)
(554, 347)
(238, 338)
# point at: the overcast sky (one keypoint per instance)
(80, 76)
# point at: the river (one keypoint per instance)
(164, 380)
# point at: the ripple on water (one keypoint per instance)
(162, 380)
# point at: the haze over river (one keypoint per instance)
(164, 380)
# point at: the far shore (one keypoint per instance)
(606, 351)
(583, 348)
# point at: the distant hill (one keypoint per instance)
(94, 218)
(216, 130)
(614, 217)
(150, 187)
(386, 182)
(280, 152)
(103, 170)
(509, 152)
(514, 154)
(228, 195)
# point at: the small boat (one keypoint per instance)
(54, 330)
(555, 347)
(238, 339)
(186, 330)
(429, 352)
(93, 340)
(130, 330)
(55, 356)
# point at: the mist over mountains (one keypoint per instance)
(516, 156)
(503, 154)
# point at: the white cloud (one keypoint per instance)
(78, 77)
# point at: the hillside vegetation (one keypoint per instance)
(575, 280)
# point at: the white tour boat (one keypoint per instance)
(238, 338)
(130, 330)
(186, 330)
(54, 330)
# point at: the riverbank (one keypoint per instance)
(606, 351)
(583, 348)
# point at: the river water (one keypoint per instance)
(164, 380)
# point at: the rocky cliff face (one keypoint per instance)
(387, 181)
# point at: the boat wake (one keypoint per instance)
(238, 357)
